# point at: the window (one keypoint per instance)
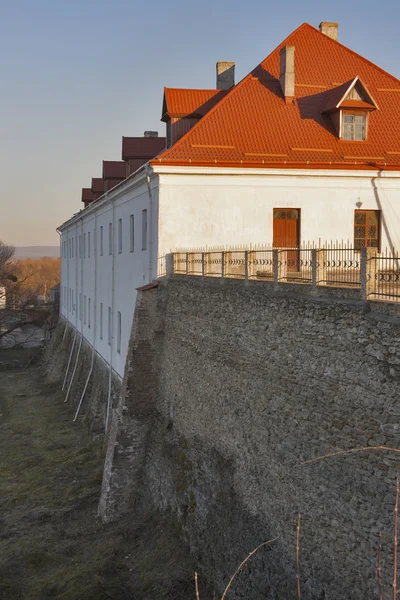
(366, 229)
(110, 238)
(88, 244)
(84, 245)
(144, 229)
(354, 126)
(89, 313)
(101, 320)
(119, 332)
(80, 247)
(80, 306)
(84, 309)
(101, 240)
(132, 232)
(109, 326)
(120, 236)
(72, 246)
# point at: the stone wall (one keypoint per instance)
(58, 359)
(247, 383)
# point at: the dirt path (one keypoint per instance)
(52, 546)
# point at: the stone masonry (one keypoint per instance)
(230, 388)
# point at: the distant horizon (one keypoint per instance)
(48, 251)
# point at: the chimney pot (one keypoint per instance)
(151, 134)
(330, 29)
(225, 75)
(286, 77)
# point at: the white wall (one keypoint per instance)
(108, 279)
(200, 208)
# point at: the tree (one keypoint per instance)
(21, 284)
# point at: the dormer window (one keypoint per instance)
(354, 125)
(349, 106)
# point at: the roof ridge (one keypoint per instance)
(227, 95)
(194, 89)
(354, 53)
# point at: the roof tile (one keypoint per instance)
(252, 124)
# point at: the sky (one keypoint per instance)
(77, 75)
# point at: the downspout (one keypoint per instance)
(150, 229)
(112, 320)
(95, 318)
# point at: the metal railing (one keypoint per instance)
(376, 275)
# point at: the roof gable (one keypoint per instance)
(184, 102)
(252, 124)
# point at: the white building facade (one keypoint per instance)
(116, 245)
(296, 153)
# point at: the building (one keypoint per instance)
(305, 148)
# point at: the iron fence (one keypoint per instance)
(376, 275)
(383, 275)
(338, 265)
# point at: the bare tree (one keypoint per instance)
(20, 314)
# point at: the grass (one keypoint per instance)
(52, 546)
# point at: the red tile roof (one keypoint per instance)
(98, 184)
(182, 103)
(253, 126)
(141, 147)
(114, 169)
(87, 195)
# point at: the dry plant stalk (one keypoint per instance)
(379, 567)
(351, 451)
(197, 586)
(243, 563)
(297, 557)
(396, 518)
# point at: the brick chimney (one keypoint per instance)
(151, 134)
(225, 75)
(286, 77)
(330, 29)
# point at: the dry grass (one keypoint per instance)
(51, 544)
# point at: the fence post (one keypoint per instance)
(187, 263)
(280, 265)
(320, 265)
(363, 273)
(223, 264)
(275, 266)
(314, 258)
(251, 266)
(371, 271)
(246, 265)
(202, 264)
(169, 264)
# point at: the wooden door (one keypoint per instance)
(287, 233)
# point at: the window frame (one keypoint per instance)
(101, 320)
(119, 331)
(345, 113)
(378, 214)
(144, 229)
(110, 239)
(119, 236)
(132, 233)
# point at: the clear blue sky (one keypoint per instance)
(76, 75)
